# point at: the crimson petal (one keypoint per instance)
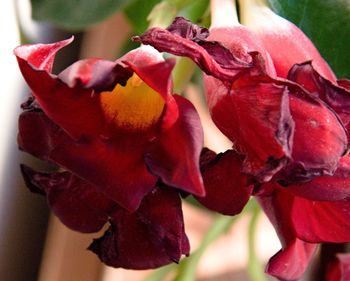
(337, 97)
(290, 263)
(255, 115)
(116, 166)
(151, 237)
(211, 56)
(293, 259)
(227, 189)
(327, 188)
(317, 222)
(174, 155)
(56, 98)
(75, 202)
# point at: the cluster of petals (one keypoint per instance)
(272, 94)
(125, 145)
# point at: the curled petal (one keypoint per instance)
(263, 133)
(41, 56)
(227, 189)
(212, 57)
(337, 97)
(115, 166)
(78, 204)
(174, 155)
(56, 98)
(153, 236)
(327, 188)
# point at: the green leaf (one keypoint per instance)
(137, 12)
(74, 14)
(327, 24)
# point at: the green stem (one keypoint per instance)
(161, 273)
(182, 74)
(255, 269)
(188, 267)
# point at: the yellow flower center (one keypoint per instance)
(136, 105)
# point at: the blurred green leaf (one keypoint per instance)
(327, 23)
(137, 11)
(195, 10)
(74, 14)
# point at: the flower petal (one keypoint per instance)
(212, 57)
(293, 259)
(290, 263)
(174, 155)
(41, 56)
(284, 41)
(227, 189)
(317, 222)
(254, 114)
(115, 166)
(327, 188)
(75, 202)
(337, 97)
(153, 236)
(59, 100)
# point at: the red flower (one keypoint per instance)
(123, 139)
(289, 135)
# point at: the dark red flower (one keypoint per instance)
(123, 139)
(288, 130)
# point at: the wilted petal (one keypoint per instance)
(227, 189)
(78, 204)
(263, 133)
(339, 270)
(151, 237)
(211, 56)
(327, 188)
(337, 97)
(174, 155)
(115, 166)
(319, 141)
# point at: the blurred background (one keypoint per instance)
(33, 244)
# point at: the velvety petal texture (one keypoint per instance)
(75, 202)
(174, 156)
(151, 237)
(227, 189)
(126, 144)
(104, 162)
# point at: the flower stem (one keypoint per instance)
(188, 266)
(255, 269)
(223, 13)
(251, 11)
